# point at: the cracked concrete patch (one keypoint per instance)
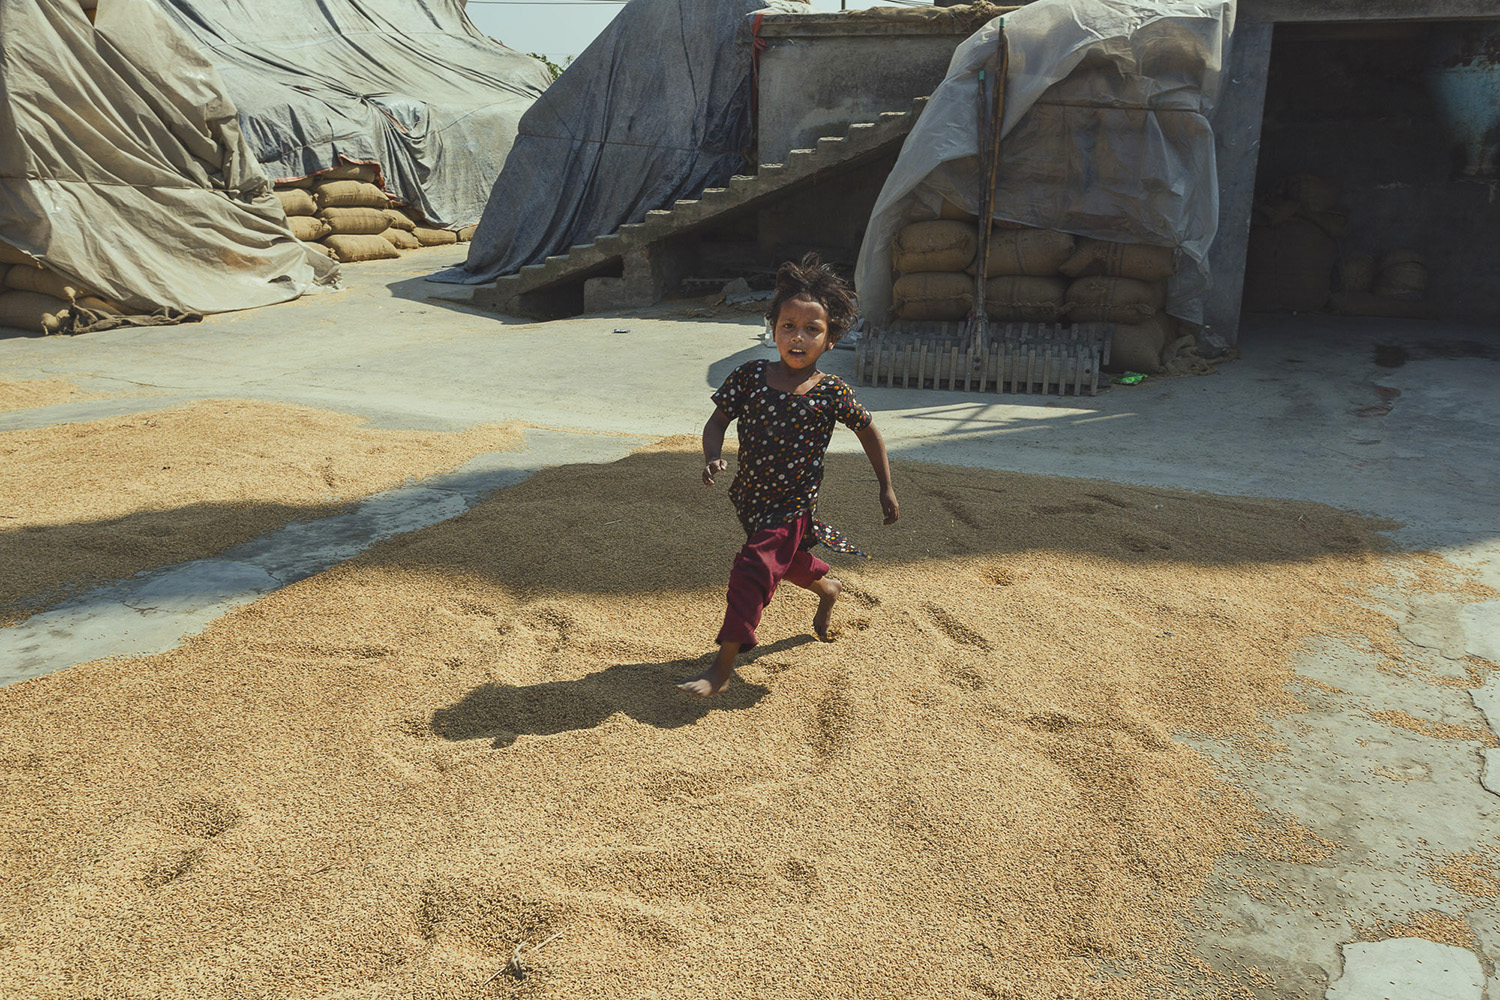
(1480, 623)
(1435, 623)
(1408, 969)
(154, 611)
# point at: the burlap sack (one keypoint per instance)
(1401, 274)
(399, 219)
(323, 248)
(1119, 260)
(936, 245)
(101, 305)
(45, 281)
(32, 312)
(466, 233)
(350, 194)
(350, 172)
(933, 295)
(1113, 300)
(308, 228)
(355, 221)
(1335, 224)
(1026, 299)
(1289, 268)
(1027, 251)
(352, 248)
(300, 182)
(954, 213)
(297, 201)
(1138, 347)
(948, 210)
(435, 237)
(10, 255)
(401, 239)
(4, 270)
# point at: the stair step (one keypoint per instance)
(797, 166)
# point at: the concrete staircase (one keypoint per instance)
(641, 262)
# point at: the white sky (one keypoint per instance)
(562, 28)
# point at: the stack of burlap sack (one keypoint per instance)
(1297, 261)
(37, 299)
(1038, 276)
(344, 213)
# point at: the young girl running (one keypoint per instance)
(786, 411)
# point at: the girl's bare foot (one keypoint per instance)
(828, 595)
(716, 677)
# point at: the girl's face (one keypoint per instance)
(802, 333)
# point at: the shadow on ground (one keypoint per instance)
(501, 713)
(645, 524)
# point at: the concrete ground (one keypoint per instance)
(1392, 418)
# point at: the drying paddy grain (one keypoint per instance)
(104, 499)
(384, 780)
(24, 394)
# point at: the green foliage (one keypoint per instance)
(552, 67)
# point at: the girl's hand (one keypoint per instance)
(717, 465)
(889, 505)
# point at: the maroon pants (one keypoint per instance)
(768, 557)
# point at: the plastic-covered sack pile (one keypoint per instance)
(656, 109)
(346, 214)
(408, 85)
(127, 194)
(1106, 192)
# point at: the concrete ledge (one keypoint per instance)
(960, 21)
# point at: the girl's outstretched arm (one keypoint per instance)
(874, 446)
(713, 445)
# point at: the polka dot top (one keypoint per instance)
(783, 437)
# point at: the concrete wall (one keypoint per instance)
(819, 72)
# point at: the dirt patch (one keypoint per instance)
(104, 499)
(383, 780)
(17, 394)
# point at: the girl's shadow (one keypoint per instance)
(644, 691)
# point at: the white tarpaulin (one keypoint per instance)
(1105, 135)
(122, 166)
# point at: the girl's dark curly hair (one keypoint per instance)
(812, 279)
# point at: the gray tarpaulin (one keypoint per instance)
(122, 166)
(409, 84)
(1105, 135)
(656, 109)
